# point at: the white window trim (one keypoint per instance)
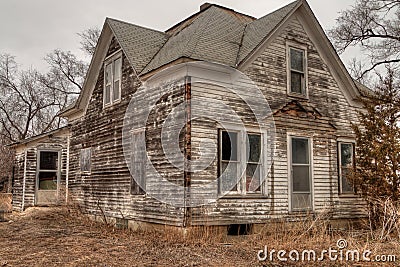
(110, 59)
(290, 136)
(241, 186)
(297, 46)
(38, 170)
(339, 154)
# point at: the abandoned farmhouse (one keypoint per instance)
(286, 54)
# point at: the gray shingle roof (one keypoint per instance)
(215, 34)
(259, 29)
(138, 43)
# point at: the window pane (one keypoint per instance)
(138, 161)
(107, 94)
(253, 178)
(229, 179)
(296, 82)
(347, 187)
(47, 181)
(229, 146)
(301, 179)
(86, 155)
(108, 74)
(296, 60)
(117, 69)
(301, 201)
(346, 151)
(300, 151)
(254, 148)
(48, 160)
(116, 90)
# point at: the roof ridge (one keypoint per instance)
(241, 44)
(203, 10)
(136, 25)
(280, 9)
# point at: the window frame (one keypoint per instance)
(339, 164)
(242, 161)
(39, 170)
(292, 136)
(134, 188)
(87, 172)
(111, 59)
(303, 48)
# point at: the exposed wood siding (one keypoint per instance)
(268, 71)
(108, 185)
(58, 143)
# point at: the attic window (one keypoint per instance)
(112, 80)
(297, 71)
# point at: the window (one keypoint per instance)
(240, 162)
(297, 71)
(300, 166)
(138, 163)
(86, 160)
(48, 170)
(229, 162)
(346, 164)
(112, 80)
(253, 168)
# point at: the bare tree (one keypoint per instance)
(66, 74)
(27, 106)
(89, 40)
(373, 26)
(30, 100)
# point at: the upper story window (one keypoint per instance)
(346, 164)
(297, 71)
(112, 79)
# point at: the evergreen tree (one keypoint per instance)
(377, 175)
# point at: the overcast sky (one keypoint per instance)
(31, 29)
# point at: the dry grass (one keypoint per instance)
(63, 236)
(5, 202)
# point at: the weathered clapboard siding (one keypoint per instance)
(268, 71)
(107, 187)
(27, 153)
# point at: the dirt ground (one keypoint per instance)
(64, 237)
(52, 237)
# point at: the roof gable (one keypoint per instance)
(261, 28)
(138, 43)
(216, 34)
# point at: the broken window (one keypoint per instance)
(47, 173)
(346, 164)
(229, 161)
(253, 169)
(240, 162)
(112, 80)
(297, 70)
(86, 160)
(300, 173)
